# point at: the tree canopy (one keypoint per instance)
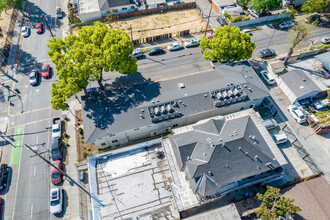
(82, 59)
(228, 43)
(8, 4)
(264, 5)
(273, 205)
(311, 6)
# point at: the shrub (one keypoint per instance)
(82, 141)
(114, 10)
(107, 12)
(65, 135)
(227, 16)
(328, 94)
(65, 140)
(80, 131)
(85, 154)
(236, 19)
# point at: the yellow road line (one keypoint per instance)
(35, 110)
(31, 122)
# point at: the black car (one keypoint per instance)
(156, 50)
(56, 149)
(313, 18)
(267, 53)
(222, 21)
(4, 171)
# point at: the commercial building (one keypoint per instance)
(136, 112)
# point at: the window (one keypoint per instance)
(155, 133)
(124, 9)
(176, 125)
(251, 106)
(103, 144)
(115, 141)
(132, 7)
(242, 108)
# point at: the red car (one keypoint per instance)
(45, 71)
(56, 176)
(39, 28)
(210, 37)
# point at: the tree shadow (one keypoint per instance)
(125, 92)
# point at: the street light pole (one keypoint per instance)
(208, 20)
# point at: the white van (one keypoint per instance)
(270, 123)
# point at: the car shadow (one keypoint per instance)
(8, 183)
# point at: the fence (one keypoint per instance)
(257, 20)
(10, 33)
(151, 11)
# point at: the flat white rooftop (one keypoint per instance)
(88, 6)
(134, 183)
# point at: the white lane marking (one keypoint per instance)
(34, 171)
(31, 211)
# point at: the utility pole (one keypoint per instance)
(61, 171)
(208, 20)
(48, 26)
(131, 34)
(272, 36)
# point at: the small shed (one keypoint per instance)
(276, 66)
(297, 86)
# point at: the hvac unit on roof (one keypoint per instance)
(219, 95)
(169, 108)
(156, 110)
(162, 109)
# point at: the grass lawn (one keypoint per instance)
(323, 117)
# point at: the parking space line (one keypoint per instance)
(35, 110)
(31, 122)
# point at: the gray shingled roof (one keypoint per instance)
(108, 4)
(239, 152)
(299, 83)
(324, 58)
(119, 109)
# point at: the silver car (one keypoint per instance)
(34, 77)
(174, 47)
(326, 40)
(25, 31)
(137, 54)
(56, 200)
(191, 43)
(286, 24)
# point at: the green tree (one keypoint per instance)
(273, 205)
(83, 58)
(264, 5)
(8, 4)
(298, 33)
(290, 10)
(228, 43)
(244, 3)
(311, 6)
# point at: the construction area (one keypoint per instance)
(134, 184)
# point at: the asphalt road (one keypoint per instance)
(27, 196)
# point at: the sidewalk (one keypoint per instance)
(74, 194)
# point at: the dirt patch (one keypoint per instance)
(84, 150)
(4, 25)
(323, 117)
(158, 24)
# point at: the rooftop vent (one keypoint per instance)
(188, 158)
(205, 95)
(239, 148)
(258, 168)
(210, 173)
(181, 85)
(223, 145)
(142, 110)
(204, 154)
(220, 140)
(301, 87)
(304, 79)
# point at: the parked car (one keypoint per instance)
(326, 40)
(56, 128)
(156, 50)
(56, 200)
(221, 21)
(270, 80)
(175, 46)
(192, 43)
(34, 77)
(280, 138)
(56, 176)
(286, 24)
(267, 53)
(1, 201)
(39, 28)
(270, 123)
(45, 70)
(312, 18)
(137, 54)
(81, 175)
(4, 173)
(56, 149)
(297, 114)
(177, 2)
(59, 13)
(25, 31)
(247, 31)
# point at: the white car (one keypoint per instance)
(56, 200)
(270, 80)
(191, 43)
(297, 114)
(280, 138)
(286, 24)
(326, 40)
(247, 31)
(137, 54)
(174, 47)
(270, 123)
(25, 31)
